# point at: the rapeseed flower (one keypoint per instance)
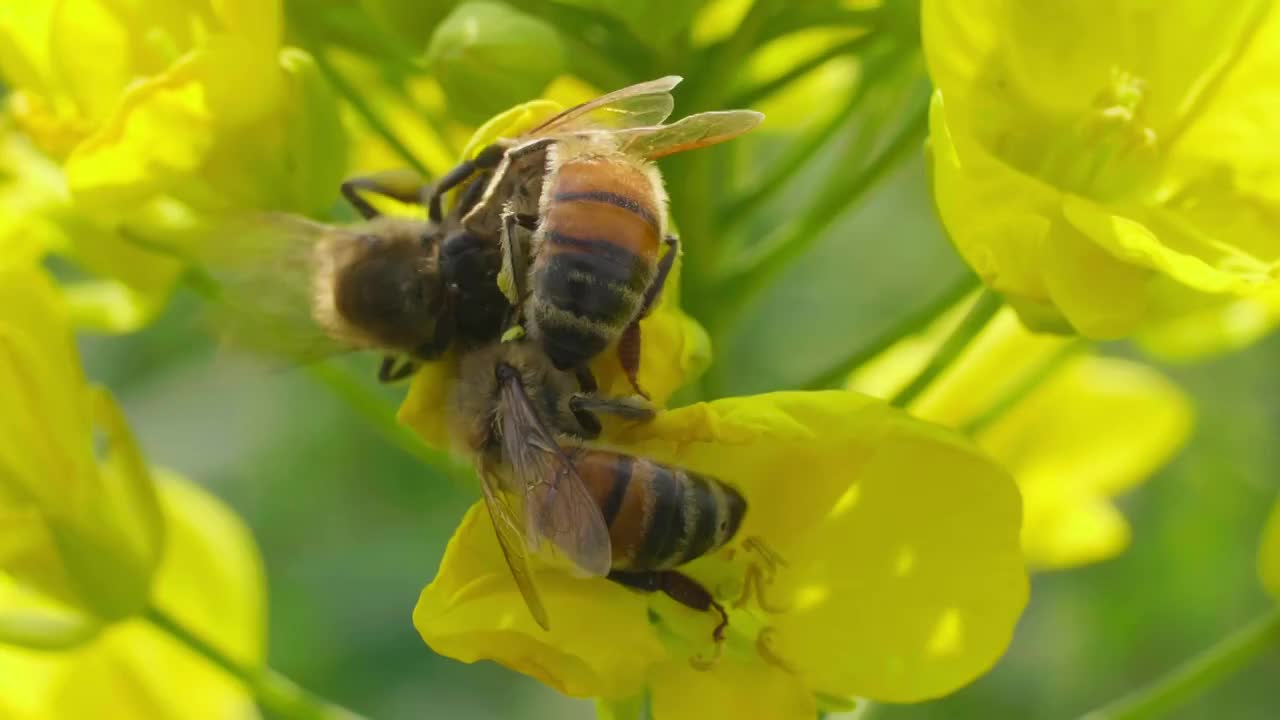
(878, 558)
(83, 530)
(1074, 428)
(209, 580)
(162, 115)
(1107, 165)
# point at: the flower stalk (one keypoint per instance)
(985, 308)
(273, 691)
(1198, 674)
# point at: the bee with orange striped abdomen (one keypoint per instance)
(579, 210)
(630, 519)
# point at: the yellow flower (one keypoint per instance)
(1074, 428)
(210, 581)
(84, 532)
(878, 558)
(1207, 330)
(1269, 556)
(162, 114)
(1107, 164)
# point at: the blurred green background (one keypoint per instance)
(352, 527)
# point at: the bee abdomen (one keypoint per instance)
(659, 517)
(584, 293)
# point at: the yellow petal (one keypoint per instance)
(473, 611)
(103, 522)
(1206, 330)
(728, 691)
(901, 540)
(1084, 530)
(211, 582)
(1269, 556)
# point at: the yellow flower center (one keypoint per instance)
(745, 596)
(1110, 153)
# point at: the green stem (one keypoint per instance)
(802, 151)
(755, 94)
(1198, 674)
(980, 314)
(910, 325)
(1024, 388)
(379, 413)
(745, 284)
(274, 692)
(371, 117)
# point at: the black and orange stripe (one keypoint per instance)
(598, 245)
(659, 517)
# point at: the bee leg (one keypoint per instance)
(514, 262)
(660, 278)
(402, 185)
(627, 408)
(679, 587)
(486, 159)
(629, 343)
(473, 193)
(586, 379)
(629, 356)
(389, 373)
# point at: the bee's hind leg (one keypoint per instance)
(679, 587)
(630, 342)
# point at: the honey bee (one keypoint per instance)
(584, 185)
(629, 519)
(302, 289)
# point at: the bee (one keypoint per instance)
(301, 289)
(629, 519)
(584, 185)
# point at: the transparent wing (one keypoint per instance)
(648, 103)
(263, 267)
(558, 506)
(508, 526)
(688, 133)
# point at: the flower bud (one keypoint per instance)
(487, 56)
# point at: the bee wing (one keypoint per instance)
(648, 103)
(688, 133)
(558, 506)
(264, 267)
(508, 526)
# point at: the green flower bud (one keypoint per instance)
(488, 56)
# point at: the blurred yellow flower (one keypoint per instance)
(162, 114)
(892, 571)
(1202, 330)
(1107, 164)
(210, 581)
(1269, 556)
(85, 533)
(1075, 429)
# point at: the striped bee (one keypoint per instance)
(300, 289)
(579, 210)
(630, 519)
